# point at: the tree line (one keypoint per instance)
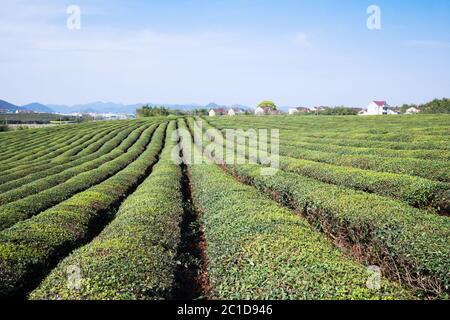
(435, 106)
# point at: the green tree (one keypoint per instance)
(200, 112)
(339, 111)
(404, 108)
(268, 104)
(147, 111)
(436, 106)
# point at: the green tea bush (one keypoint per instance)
(259, 250)
(22, 209)
(30, 248)
(134, 256)
(410, 243)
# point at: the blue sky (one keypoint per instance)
(230, 51)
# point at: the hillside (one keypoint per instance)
(37, 107)
(349, 192)
(5, 105)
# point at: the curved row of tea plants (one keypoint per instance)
(51, 160)
(351, 147)
(96, 147)
(103, 146)
(65, 149)
(24, 208)
(415, 191)
(31, 248)
(25, 169)
(23, 139)
(134, 257)
(18, 153)
(260, 250)
(344, 130)
(429, 169)
(40, 155)
(367, 150)
(409, 243)
(60, 141)
(46, 179)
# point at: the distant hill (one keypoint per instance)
(98, 107)
(213, 105)
(106, 107)
(240, 107)
(4, 105)
(184, 107)
(37, 107)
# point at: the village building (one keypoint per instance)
(379, 108)
(259, 111)
(412, 110)
(266, 111)
(224, 112)
(293, 111)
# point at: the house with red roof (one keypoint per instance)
(379, 108)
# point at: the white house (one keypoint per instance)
(412, 110)
(212, 113)
(231, 112)
(259, 111)
(293, 111)
(379, 108)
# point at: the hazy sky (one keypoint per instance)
(294, 52)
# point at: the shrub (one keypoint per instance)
(134, 256)
(29, 249)
(22, 209)
(259, 250)
(415, 191)
(23, 174)
(410, 243)
(40, 181)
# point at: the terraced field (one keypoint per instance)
(102, 211)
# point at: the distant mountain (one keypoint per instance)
(183, 107)
(4, 105)
(107, 107)
(59, 108)
(37, 107)
(240, 107)
(213, 105)
(97, 107)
